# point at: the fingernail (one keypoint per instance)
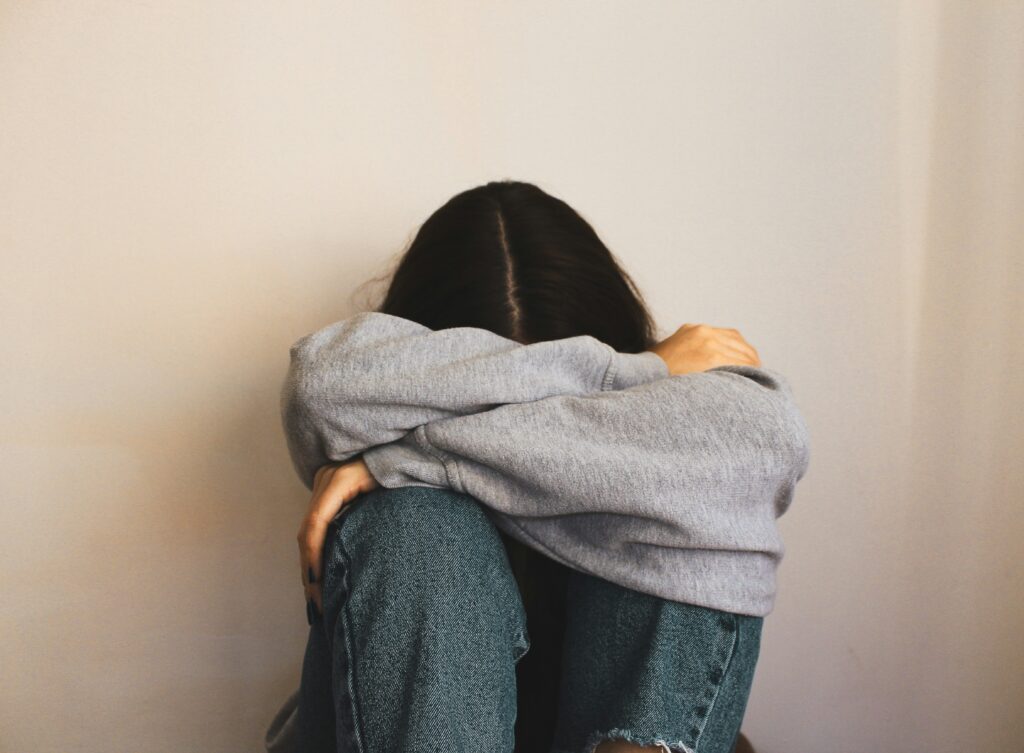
(309, 611)
(312, 578)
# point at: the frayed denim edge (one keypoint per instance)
(596, 738)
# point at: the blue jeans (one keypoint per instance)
(424, 629)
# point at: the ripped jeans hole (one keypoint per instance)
(626, 735)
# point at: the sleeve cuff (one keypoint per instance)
(405, 462)
(630, 369)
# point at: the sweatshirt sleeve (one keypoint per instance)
(370, 379)
(615, 482)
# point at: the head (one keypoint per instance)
(510, 258)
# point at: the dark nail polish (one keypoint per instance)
(312, 578)
(309, 611)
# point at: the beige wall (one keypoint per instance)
(187, 187)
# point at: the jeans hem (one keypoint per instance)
(596, 738)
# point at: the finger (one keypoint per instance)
(315, 590)
(314, 596)
(306, 570)
(740, 356)
(322, 474)
(311, 546)
(734, 337)
(734, 340)
(311, 609)
(312, 593)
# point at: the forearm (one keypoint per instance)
(706, 446)
(666, 475)
(369, 379)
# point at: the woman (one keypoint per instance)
(526, 528)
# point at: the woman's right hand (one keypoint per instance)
(699, 347)
(334, 486)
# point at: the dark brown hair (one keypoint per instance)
(510, 258)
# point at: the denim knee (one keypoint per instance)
(438, 529)
(425, 545)
(425, 621)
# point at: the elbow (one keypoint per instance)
(296, 397)
(786, 420)
(798, 439)
(311, 380)
(782, 428)
(802, 455)
(789, 462)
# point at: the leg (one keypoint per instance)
(315, 714)
(645, 673)
(542, 584)
(423, 625)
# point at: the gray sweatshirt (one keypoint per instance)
(603, 461)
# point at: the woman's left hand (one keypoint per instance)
(333, 487)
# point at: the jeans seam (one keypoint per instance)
(350, 671)
(721, 680)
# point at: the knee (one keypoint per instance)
(426, 555)
(424, 532)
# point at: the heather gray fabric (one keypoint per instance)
(667, 485)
